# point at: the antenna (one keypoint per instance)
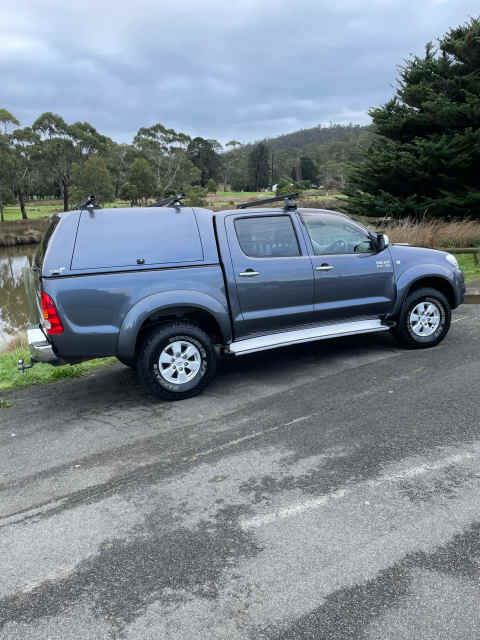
(289, 202)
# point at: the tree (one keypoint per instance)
(142, 177)
(6, 197)
(258, 167)
(62, 145)
(24, 143)
(129, 192)
(425, 158)
(195, 196)
(165, 149)
(228, 162)
(118, 159)
(308, 169)
(204, 155)
(7, 121)
(211, 186)
(91, 177)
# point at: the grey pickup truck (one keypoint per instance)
(168, 289)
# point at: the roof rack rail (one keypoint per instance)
(171, 201)
(288, 198)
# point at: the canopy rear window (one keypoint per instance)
(109, 238)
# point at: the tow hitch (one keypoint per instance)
(21, 366)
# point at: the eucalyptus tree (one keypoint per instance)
(24, 144)
(61, 145)
(92, 177)
(166, 150)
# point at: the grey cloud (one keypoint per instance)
(247, 70)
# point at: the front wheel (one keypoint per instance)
(176, 361)
(424, 320)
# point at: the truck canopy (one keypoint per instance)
(109, 238)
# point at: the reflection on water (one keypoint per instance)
(14, 314)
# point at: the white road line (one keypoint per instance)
(292, 510)
(315, 503)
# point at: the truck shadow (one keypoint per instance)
(116, 388)
(322, 353)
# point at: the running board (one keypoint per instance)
(274, 340)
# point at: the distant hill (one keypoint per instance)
(332, 149)
(318, 135)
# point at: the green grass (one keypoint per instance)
(469, 266)
(33, 211)
(243, 194)
(40, 209)
(11, 378)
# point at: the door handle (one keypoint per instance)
(324, 267)
(248, 273)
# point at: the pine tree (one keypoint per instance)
(258, 167)
(425, 158)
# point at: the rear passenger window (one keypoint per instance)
(267, 237)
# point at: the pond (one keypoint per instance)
(14, 314)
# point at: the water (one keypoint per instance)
(14, 315)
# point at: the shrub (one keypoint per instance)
(211, 186)
(195, 196)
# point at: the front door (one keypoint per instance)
(272, 271)
(352, 279)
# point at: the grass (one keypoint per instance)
(435, 233)
(11, 378)
(469, 266)
(44, 208)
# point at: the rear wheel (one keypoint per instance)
(424, 319)
(176, 361)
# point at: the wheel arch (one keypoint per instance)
(431, 281)
(201, 309)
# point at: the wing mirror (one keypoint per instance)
(382, 241)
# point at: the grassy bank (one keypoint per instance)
(434, 233)
(11, 378)
(469, 266)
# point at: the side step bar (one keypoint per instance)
(274, 340)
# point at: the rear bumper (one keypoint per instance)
(41, 349)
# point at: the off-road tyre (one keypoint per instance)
(405, 331)
(156, 343)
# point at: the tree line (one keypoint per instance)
(54, 159)
(419, 158)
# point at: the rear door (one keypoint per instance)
(272, 272)
(352, 279)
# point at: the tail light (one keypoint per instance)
(52, 322)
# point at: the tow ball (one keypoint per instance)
(21, 366)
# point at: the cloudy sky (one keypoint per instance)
(243, 69)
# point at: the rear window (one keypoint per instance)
(42, 249)
(110, 238)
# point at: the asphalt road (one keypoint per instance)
(325, 491)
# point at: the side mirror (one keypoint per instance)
(382, 241)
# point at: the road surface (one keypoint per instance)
(327, 491)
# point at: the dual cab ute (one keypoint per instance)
(168, 289)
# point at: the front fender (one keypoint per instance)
(418, 272)
(139, 313)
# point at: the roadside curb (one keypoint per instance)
(472, 297)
